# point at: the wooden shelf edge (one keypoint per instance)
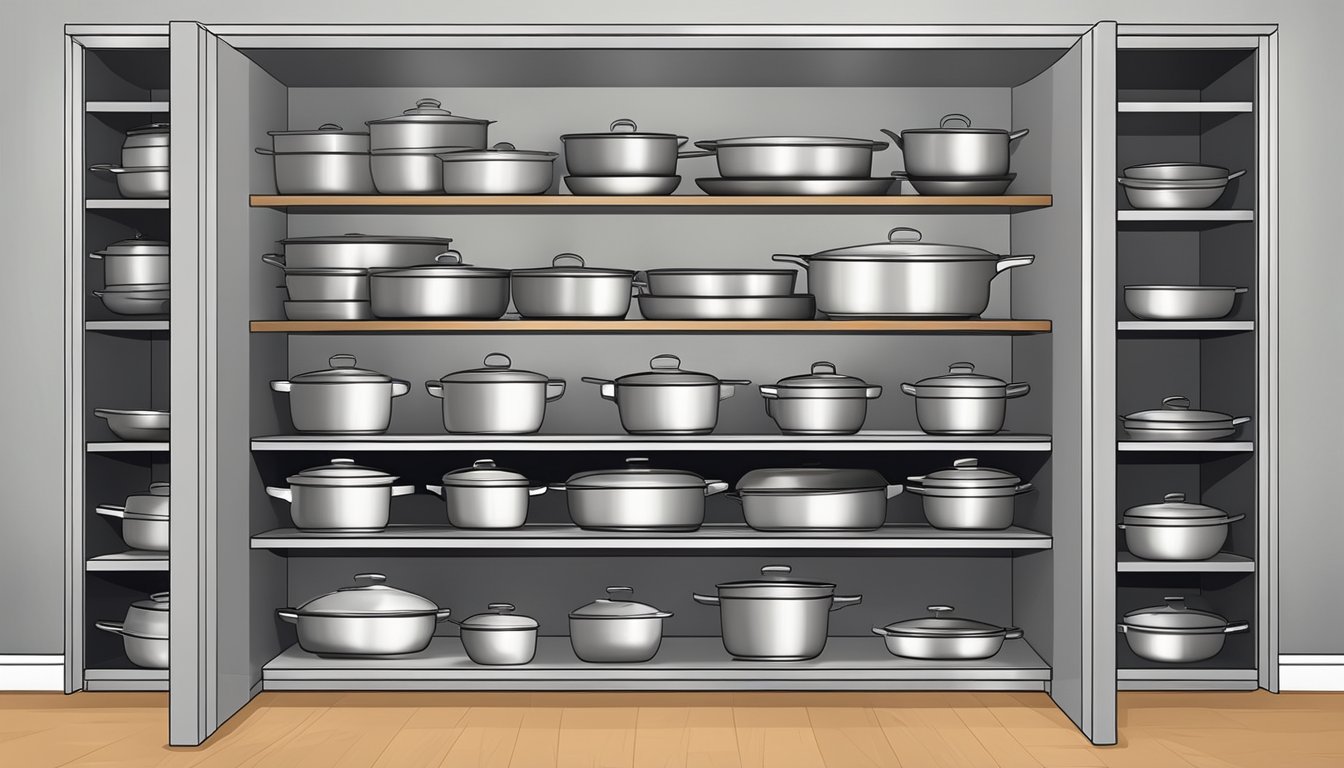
(653, 326)
(660, 201)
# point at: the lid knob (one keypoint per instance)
(637, 463)
(624, 122)
(329, 127)
(822, 366)
(505, 146)
(1176, 603)
(966, 463)
(776, 570)
(1174, 498)
(451, 257)
(1177, 403)
(567, 256)
(904, 235)
(424, 104)
(341, 361)
(661, 363)
(369, 579)
(961, 368)
(955, 116)
(508, 362)
(159, 597)
(614, 591)
(501, 608)
(939, 611)
(483, 464)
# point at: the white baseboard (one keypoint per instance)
(1311, 672)
(32, 672)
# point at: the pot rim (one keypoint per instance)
(350, 238)
(428, 110)
(1176, 413)
(758, 481)
(608, 608)
(905, 244)
(967, 474)
(502, 151)
(1193, 288)
(781, 587)
(345, 473)
(928, 626)
(792, 141)
(499, 617)
(502, 478)
(341, 372)
(159, 247)
(670, 376)
(581, 271)
(369, 583)
(494, 373)
(671, 479)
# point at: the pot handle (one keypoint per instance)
(715, 486)
(274, 259)
(455, 258)
(1122, 628)
(1236, 174)
(638, 287)
(1236, 626)
(264, 151)
(111, 510)
(954, 116)
(608, 391)
(1008, 262)
(1240, 420)
(1240, 290)
(908, 389)
(540, 489)
(693, 153)
(288, 614)
(403, 490)
(737, 497)
(286, 494)
(434, 388)
(881, 631)
(895, 137)
(567, 256)
(1023, 488)
(555, 388)
(442, 614)
(1015, 135)
(400, 387)
(281, 386)
(728, 387)
(789, 258)
(872, 393)
(895, 490)
(839, 602)
(437, 490)
(705, 599)
(1012, 633)
(769, 391)
(561, 487)
(1016, 390)
(1176, 403)
(115, 627)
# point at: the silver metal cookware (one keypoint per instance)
(342, 399)
(795, 307)
(427, 125)
(485, 496)
(622, 185)
(144, 299)
(776, 617)
(408, 171)
(328, 160)
(611, 630)
(368, 619)
(450, 288)
(794, 157)
(720, 282)
(135, 262)
(638, 498)
(144, 632)
(324, 309)
(137, 182)
(499, 170)
(821, 402)
(341, 495)
(994, 185)
(1181, 302)
(1175, 185)
(962, 402)
(572, 290)
(146, 147)
(815, 499)
(1175, 529)
(358, 251)
(624, 151)
(949, 151)
(305, 285)
(968, 496)
(1175, 633)
(134, 424)
(144, 518)
(499, 637)
(496, 399)
(667, 400)
(942, 637)
(1175, 420)
(788, 187)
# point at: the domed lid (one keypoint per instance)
(904, 244)
(611, 608)
(497, 369)
(810, 479)
(326, 129)
(450, 264)
(500, 151)
(501, 616)
(135, 246)
(152, 135)
(342, 371)
(1174, 615)
(1176, 412)
(962, 376)
(160, 489)
(637, 474)
(941, 623)
(966, 127)
(1174, 507)
(579, 269)
(359, 238)
(628, 130)
(776, 582)
(427, 111)
(967, 473)
(369, 597)
(823, 375)
(665, 370)
(341, 472)
(156, 602)
(484, 474)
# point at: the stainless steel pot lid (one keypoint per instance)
(156, 602)
(1176, 413)
(961, 380)
(342, 371)
(904, 244)
(501, 617)
(369, 597)
(967, 473)
(152, 135)
(637, 474)
(449, 264)
(359, 238)
(341, 472)
(1175, 615)
(1178, 172)
(427, 111)
(792, 141)
(943, 127)
(483, 473)
(501, 151)
(326, 129)
(1183, 288)
(135, 246)
(822, 380)
(579, 269)
(806, 479)
(612, 608)
(497, 369)
(776, 583)
(943, 624)
(147, 290)
(665, 370)
(623, 124)
(1174, 507)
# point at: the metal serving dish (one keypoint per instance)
(622, 185)
(793, 158)
(942, 637)
(796, 307)
(995, 185)
(137, 182)
(713, 185)
(135, 425)
(720, 282)
(815, 499)
(1181, 302)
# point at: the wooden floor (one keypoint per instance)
(299, 730)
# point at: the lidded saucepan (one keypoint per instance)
(962, 402)
(495, 398)
(499, 637)
(485, 495)
(1176, 529)
(146, 147)
(945, 637)
(1176, 633)
(967, 496)
(427, 125)
(342, 399)
(614, 629)
(822, 401)
(1176, 420)
(367, 619)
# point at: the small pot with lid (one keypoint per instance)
(638, 498)
(485, 496)
(815, 499)
(943, 637)
(146, 147)
(611, 630)
(451, 288)
(342, 399)
(427, 125)
(667, 400)
(822, 402)
(368, 619)
(496, 399)
(341, 495)
(1175, 529)
(956, 152)
(327, 160)
(144, 632)
(144, 518)
(572, 290)
(968, 496)
(135, 261)
(776, 617)
(499, 637)
(500, 170)
(1175, 633)
(1175, 420)
(962, 402)
(624, 151)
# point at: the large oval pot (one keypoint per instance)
(340, 496)
(968, 497)
(614, 631)
(623, 151)
(1175, 530)
(638, 498)
(667, 400)
(146, 147)
(1176, 634)
(903, 277)
(342, 399)
(794, 157)
(944, 638)
(500, 637)
(485, 496)
(814, 499)
(1175, 420)
(368, 619)
(427, 125)
(144, 632)
(358, 251)
(962, 402)
(949, 151)
(775, 617)
(135, 261)
(822, 402)
(137, 182)
(448, 289)
(144, 518)
(574, 291)
(496, 399)
(499, 170)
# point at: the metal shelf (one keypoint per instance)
(1185, 106)
(126, 106)
(1186, 679)
(119, 446)
(1180, 220)
(1185, 446)
(130, 560)
(682, 663)
(1222, 562)
(126, 679)
(1184, 326)
(126, 325)
(709, 537)
(127, 204)
(976, 326)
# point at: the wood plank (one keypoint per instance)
(660, 201)
(425, 738)
(852, 737)
(597, 736)
(538, 744)
(991, 326)
(776, 737)
(682, 737)
(487, 739)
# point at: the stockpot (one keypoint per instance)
(1175, 420)
(1175, 633)
(342, 399)
(942, 637)
(408, 171)
(144, 518)
(144, 632)
(1180, 302)
(427, 125)
(903, 277)
(962, 402)
(624, 151)
(356, 250)
(610, 630)
(368, 619)
(1175, 529)
(499, 637)
(638, 498)
(500, 170)
(571, 290)
(794, 157)
(495, 399)
(146, 147)
(450, 288)
(341, 495)
(135, 261)
(485, 496)
(822, 402)
(667, 400)
(776, 617)
(968, 496)
(328, 160)
(137, 182)
(814, 499)
(948, 152)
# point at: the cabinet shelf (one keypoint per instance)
(1201, 107)
(976, 326)
(1186, 679)
(119, 446)
(1180, 220)
(682, 663)
(130, 560)
(1184, 326)
(1223, 562)
(133, 679)
(115, 203)
(126, 325)
(709, 537)
(126, 106)
(873, 440)
(1185, 446)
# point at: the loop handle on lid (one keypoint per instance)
(939, 610)
(341, 361)
(342, 461)
(555, 262)
(613, 591)
(329, 127)
(914, 235)
(1177, 403)
(508, 362)
(451, 257)
(637, 462)
(624, 122)
(370, 578)
(1175, 603)
(966, 463)
(955, 116)
(501, 607)
(423, 104)
(782, 570)
(675, 366)
(483, 464)
(822, 366)
(961, 368)
(503, 145)
(1174, 498)
(159, 597)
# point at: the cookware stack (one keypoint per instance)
(1179, 186)
(135, 276)
(794, 165)
(404, 149)
(724, 294)
(143, 172)
(623, 161)
(956, 160)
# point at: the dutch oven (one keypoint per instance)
(1175, 529)
(342, 399)
(776, 617)
(821, 402)
(611, 630)
(962, 402)
(495, 399)
(485, 496)
(1175, 420)
(815, 499)
(667, 400)
(1175, 633)
(368, 619)
(341, 495)
(968, 496)
(943, 637)
(638, 498)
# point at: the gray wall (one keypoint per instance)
(1311, 164)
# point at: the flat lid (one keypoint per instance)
(326, 129)
(137, 245)
(497, 369)
(370, 596)
(961, 376)
(1174, 507)
(426, 111)
(146, 290)
(340, 470)
(945, 126)
(905, 244)
(637, 474)
(359, 238)
(1176, 411)
(666, 370)
(342, 371)
(624, 128)
(156, 602)
(967, 473)
(1174, 615)
(483, 473)
(822, 376)
(612, 608)
(501, 616)
(1171, 171)
(792, 141)
(1180, 288)
(500, 151)
(809, 479)
(776, 582)
(150, 129)
(576, 268)
(448, 264)
(941, 623)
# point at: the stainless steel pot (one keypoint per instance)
(941, 637)
(1176, 421)
(341, 495)
(667, 400)
(144, 518)
(571, 291)
(962, 402)
(1175, 530)
(948, 152)
(358, 251)
(327, 161)
(813, 499)
(1175, 185)
(622, 185)
(427, 125)
(794, 307)
(328, 137)
(135, 300)
(1180, 302)
(499, 170)
(138, 182)
(144, 632)
(413, 171)
(368, 619)
(968, 496)
(135, 262)
(822, 402)
(146, 147)
(720, 282)
(794, 157)
(485, 496)
(357, 309)
(449, 289)
(136, 425)
(496, 399)
(903, 277)
(324, 284)
(638, 498)
(500, 637)
(622, 152)
(614, 631)
(341, 399)
(775, 617)
(1175, 633)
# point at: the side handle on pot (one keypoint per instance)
(608, 390)
(789, 258)
(1236, 626)
(403, 490)
(274, 259)
(286, 494)
(555, 388)
(1023, 488)
(908, 389)
(715, 486)
(288, 614)
(561, 487)
(1012, 633)
(434, 388)
(1238, 421)
(839, 602)
(111, 510)
(281, 386)
(1008, 262)
(705, 599)
(895, 490)
(400, 387)
(1015, 135)
(769, 391)
(264, 151)
(895, 138)
(1016, 390)
(437, 490)
(540, 489)
(872, 393)
(115, 627)
(1236, 174)
(441, 615)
